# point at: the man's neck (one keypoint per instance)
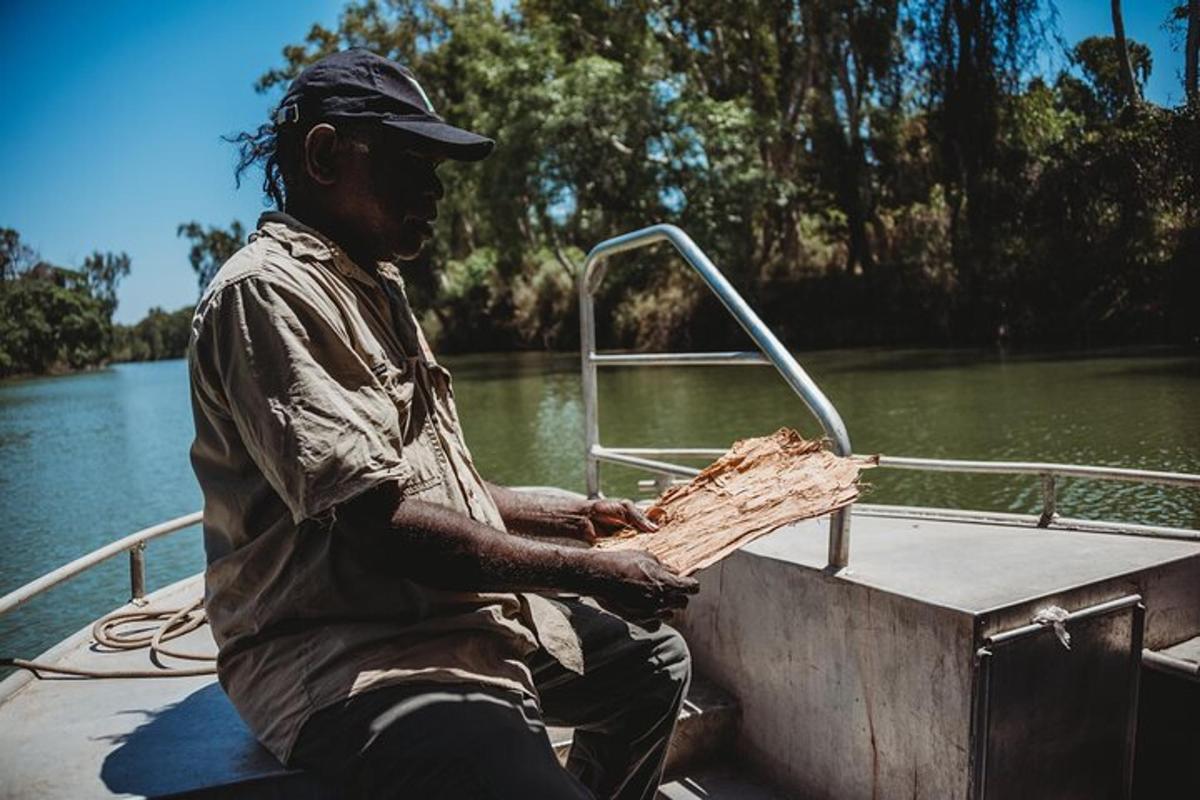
(337, 232)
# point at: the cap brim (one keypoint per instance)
(445, 139)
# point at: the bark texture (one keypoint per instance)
(760, 485)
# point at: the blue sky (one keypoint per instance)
(111, 116)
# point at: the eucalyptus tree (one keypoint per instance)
(210, 247)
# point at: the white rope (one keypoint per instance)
(165, 624)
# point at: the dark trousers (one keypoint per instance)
(467, 741)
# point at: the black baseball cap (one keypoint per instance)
(358, 84)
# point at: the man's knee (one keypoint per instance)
(672, 659)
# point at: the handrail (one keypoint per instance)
(639, 457)
(134, 543)
(1157, 477)
(731, 359)
(1184, 479)
(647, 458)
(772, 348)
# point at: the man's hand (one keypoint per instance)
(597, 518)
(636, 585)
(541, 514)
(438, 546)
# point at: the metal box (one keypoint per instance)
(918, 672)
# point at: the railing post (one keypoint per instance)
(1049, 500)
(137, 573)
(839, 539)
(591, 418)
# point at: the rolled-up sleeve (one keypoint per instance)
(311, 414)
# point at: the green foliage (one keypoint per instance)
(211, 247)
(47, 325)
(159, 335)
(15, 256)
(863, 171)
(53, 318)
(1098, 94)
(104, 272)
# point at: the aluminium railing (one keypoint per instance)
(134, 544)
(772, 352)
(649, 458)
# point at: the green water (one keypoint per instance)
(87, 458)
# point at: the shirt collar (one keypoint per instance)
(308, 243)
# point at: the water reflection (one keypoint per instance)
(1135, 412)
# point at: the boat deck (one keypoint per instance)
(80, 738)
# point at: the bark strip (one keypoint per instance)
(760, 485)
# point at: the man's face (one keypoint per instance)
(393, 191)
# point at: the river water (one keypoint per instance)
(87, 458)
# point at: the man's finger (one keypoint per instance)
(674, 601)
(681, 584)
(680, 592)
(586, 531)
(636, 518)
(622, 513)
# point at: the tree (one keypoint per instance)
(1185, 19)
(49, 323)
(211, 247)
(1129, 90)
(974, 52)
(158, 335)
(104, 272)
(15, 255)
(1101, 94)
(898, 169)
(1191, 80)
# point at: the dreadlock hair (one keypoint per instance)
(279, 151)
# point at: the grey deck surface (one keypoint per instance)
(1187, 651)
(970, 566)
(147, 737)
(83, 738)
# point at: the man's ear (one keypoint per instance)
(320, 153)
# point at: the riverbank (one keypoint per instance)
(934, 355)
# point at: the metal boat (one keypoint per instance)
(883, 652)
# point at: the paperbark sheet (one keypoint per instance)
(760, 485)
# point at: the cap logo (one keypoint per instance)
(420, 91)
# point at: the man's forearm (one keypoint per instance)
(440, 547)
(536, 513)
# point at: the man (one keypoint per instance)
(379, 621)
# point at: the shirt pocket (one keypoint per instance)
(396, 378)
(408, 387)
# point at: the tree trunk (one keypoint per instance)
(1128, 87)
(1191, 54)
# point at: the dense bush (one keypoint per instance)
(51, 318)
(160, 334)
(45, 326)
(858, 174)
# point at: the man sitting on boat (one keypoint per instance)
(379, 621)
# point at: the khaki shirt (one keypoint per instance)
(311, 382)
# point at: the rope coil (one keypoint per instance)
(165, 625)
